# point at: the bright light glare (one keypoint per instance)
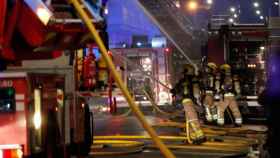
(258, 12)
(40, 9)
(256, 4)
(19, 153)
(106, 11)
(192, 5)
(37, 109)
(210, 2)
(276, 3)
(105, 109)
(139, 44)
(235, 15)
(232, 9)
(37, 120)
(231, 20)
(261, 17)
(147, 61)
(44, 15)
(177, 4)
(262, 47)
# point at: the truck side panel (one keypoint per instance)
(13, 125)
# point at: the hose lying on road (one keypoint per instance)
(217, 130)
(119, 141)
(176, 113)
(220, 141)
(115, 147)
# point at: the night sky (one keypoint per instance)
(245, 9)
(247, 12)
(126, 18)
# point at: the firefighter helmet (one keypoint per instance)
(189, 69)
(225, 68)
(213, 66)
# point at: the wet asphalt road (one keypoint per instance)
(116, 125)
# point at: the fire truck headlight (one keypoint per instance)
(37, 120)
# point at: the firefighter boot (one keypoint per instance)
(196, 134)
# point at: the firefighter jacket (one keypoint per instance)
(208, 82)
(184, 88)
(229, 85)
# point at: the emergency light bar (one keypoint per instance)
(40, 9)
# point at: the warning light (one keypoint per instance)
(167, 50)
(10, 91)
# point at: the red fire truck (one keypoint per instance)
(33, 108)
(33, 114)
(244, 47)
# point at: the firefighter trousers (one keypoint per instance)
(208, 102)
(229, 101)
(192, 120)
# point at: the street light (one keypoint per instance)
(256, 4)
(106, 11)
(209, 2)
(258, 12)
(192, 5)
(231, 20)
(261, 17)
(177, 4)
(232, 9)
(235, 15)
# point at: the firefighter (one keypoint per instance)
(229, 89)
(185, 89)
(208, 89)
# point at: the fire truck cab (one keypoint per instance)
(32, 116)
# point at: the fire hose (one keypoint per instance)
(115, 147)
(133, 144)
(176, 113)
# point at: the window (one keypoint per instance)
(7, 99)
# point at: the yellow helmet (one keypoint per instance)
(225, 67)
(212, 66)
